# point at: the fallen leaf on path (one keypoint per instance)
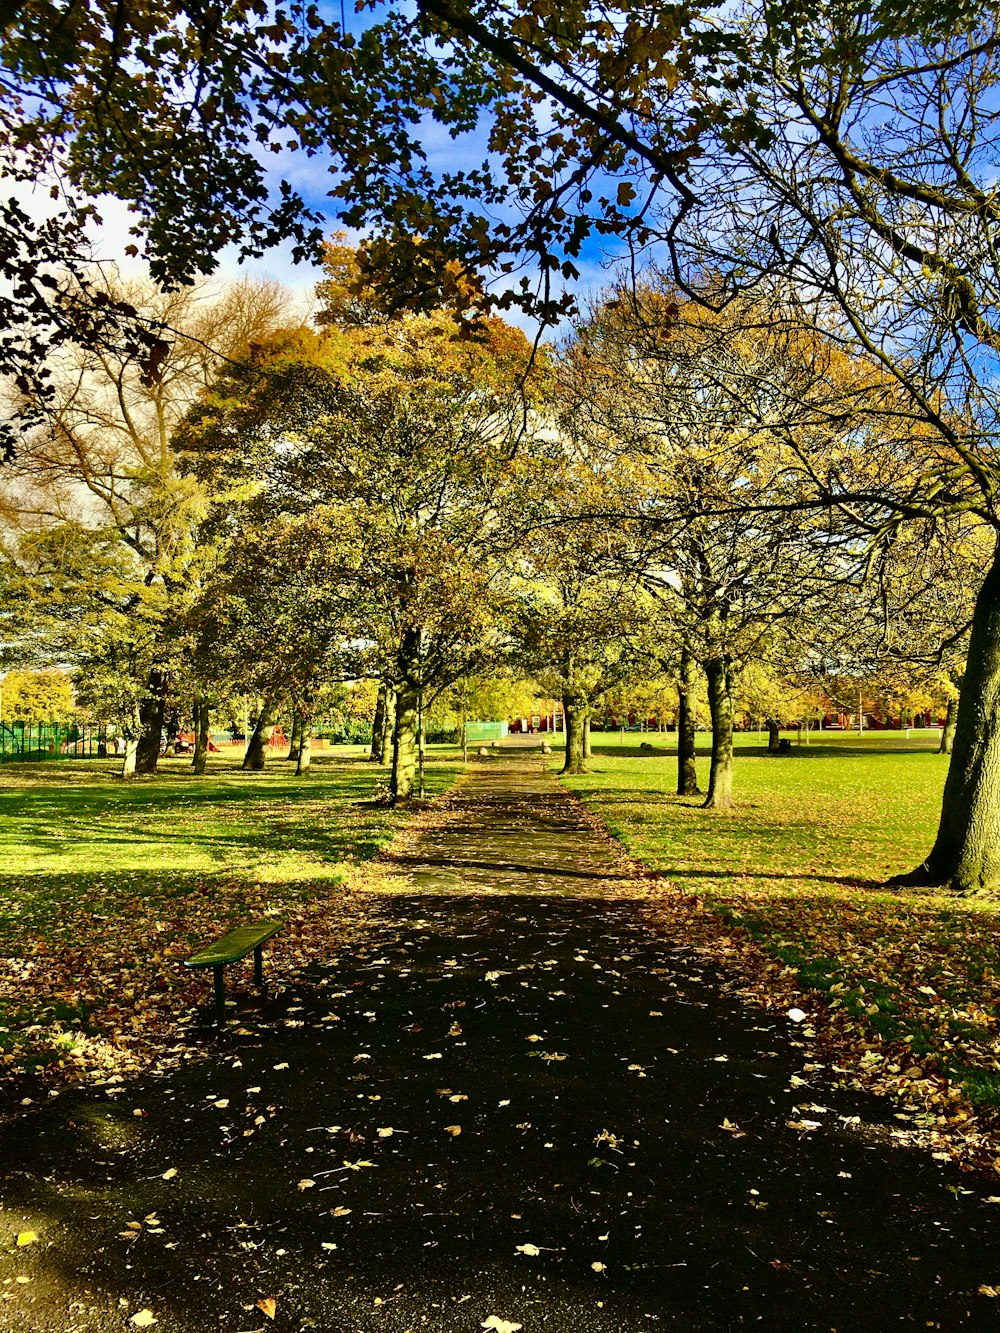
(306, 1184)
(499, 1325)
(527, 1249)
(143, 1319)
(269, 1305)
(453, 1130)
(26, 1238)
(169, 1173)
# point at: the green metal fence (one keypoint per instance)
(485, 731)
(29, 741)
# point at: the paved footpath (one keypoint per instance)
(520, 1105)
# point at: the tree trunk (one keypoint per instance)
(203, 719)
(720, 702)
(129, 762)
(405, 738)
(295, 744)
(389, 724)
(404, 743)
(377, 755)
(948, 730)
(151, 720)
(131, 739)
(687, 777)
(574, 715)
(965, 857)
(773, 735)
(255, 757)
(305, 749)
(173, 726)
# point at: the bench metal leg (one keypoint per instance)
(220, 995)
(258, 965)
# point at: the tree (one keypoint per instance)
(36, 696)
(272, 621)
(101, 462)
(164, 106)
(581, 607)
(399, 440)
(869, 183)
(696, 415)
(82, 599)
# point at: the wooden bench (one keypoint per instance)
(231, 948)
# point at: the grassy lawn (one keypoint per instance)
(798, 867)
(106, 885)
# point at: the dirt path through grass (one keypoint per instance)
(517, 1106)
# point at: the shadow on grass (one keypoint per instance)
(682, 873)
(98, 826)
(814, 750)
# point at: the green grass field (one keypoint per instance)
(105, 885)
(800, 865)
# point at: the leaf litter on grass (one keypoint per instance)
(92, 983)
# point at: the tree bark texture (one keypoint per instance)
(295, 741)
(948, 730)
(405, 738)
(574, 713)
(173, 726)
(965, 857)
(203, 720)
(388, 725)
(720, 702)
(129, 761)
(151, 720)
(404, 743)
(773, 735)
(305, 749)
(377, 755)
(131, 738)
(256, 755)
(687, 776)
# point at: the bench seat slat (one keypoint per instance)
(234, 946)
